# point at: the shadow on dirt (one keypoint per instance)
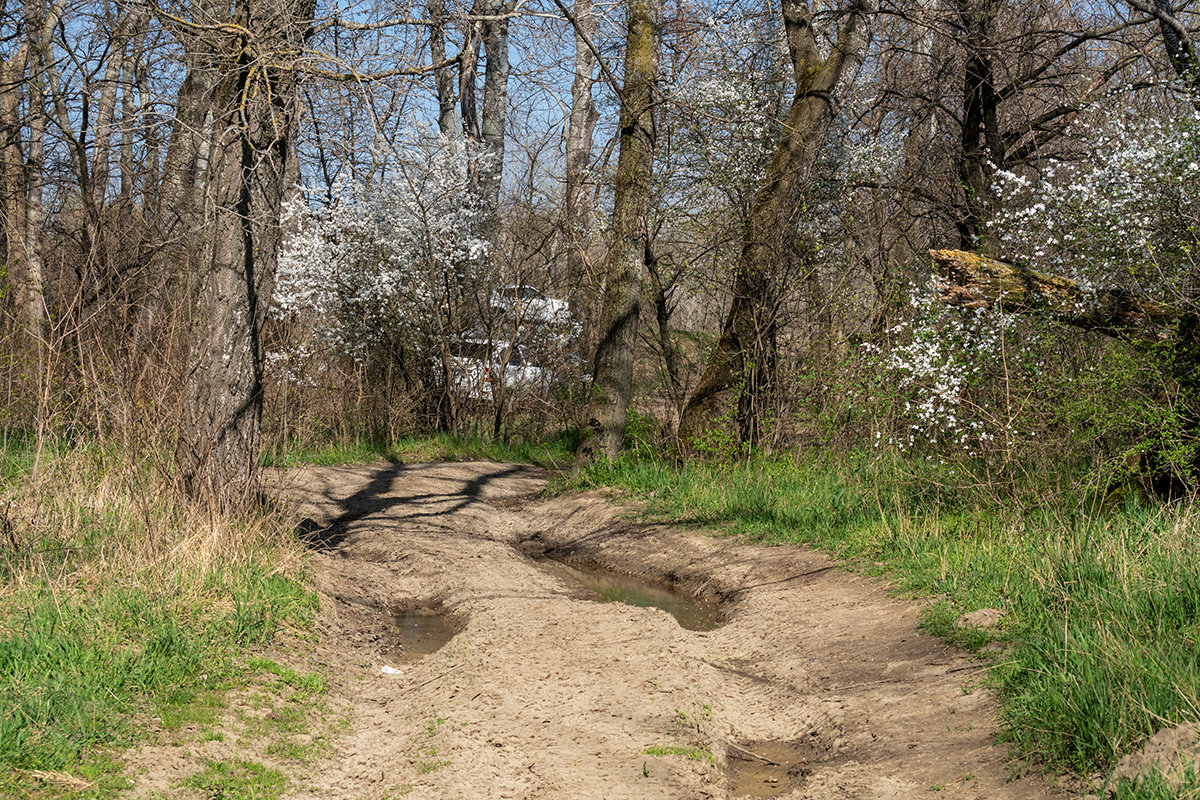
(378, 497)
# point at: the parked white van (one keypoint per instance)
(477, 365)
(528, 305)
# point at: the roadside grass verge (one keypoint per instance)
(1101, 607)
(123, 611)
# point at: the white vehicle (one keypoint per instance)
(477, 366)
(527, 304)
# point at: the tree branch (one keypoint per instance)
(975, 281)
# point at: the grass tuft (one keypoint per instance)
(238, 780)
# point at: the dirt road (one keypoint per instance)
(818, 684)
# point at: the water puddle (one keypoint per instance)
(422, 630)
(691, 613)
(767, 769)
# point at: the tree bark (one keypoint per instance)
(982, 148)
(449, 122)
(12, 160)
(581, 126)
(612, 372)
(39, 23)
(495, 116)
(106, 109)
(468, 75)
(741, 366)
(238, 112)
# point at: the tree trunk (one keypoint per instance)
(468, 74)
(12, 160)
(495, 114)
(449, 122)
(742, 365)
(1177, 40)
(39, 25)
(659, 290)
(982, 149)
(977, 281)
(612, 372)
(580, 128)
(106, 108)
(238, 112)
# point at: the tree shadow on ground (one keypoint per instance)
(378, 497)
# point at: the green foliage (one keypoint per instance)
(1101, 608)
(690, 752)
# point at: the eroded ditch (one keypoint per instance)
(605, 585)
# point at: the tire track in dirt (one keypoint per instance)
(818, 685)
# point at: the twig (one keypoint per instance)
(763, 759)
(431, 680)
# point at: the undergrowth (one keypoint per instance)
(1101, 605)
(121, 608)
(555, 452)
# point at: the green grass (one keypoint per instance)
(555, 452)
(1102, 609)
(123, 611)
(1153, 786)
(291, 704)
(75, 669)
(690, 752)
(238, 780)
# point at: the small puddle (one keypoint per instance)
(423, 630)
(690, 612)
(767, 769)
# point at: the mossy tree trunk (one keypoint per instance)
(740, 372)
(620, 310)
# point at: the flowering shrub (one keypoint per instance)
(1124, 212)
(732, 145)
(398, 261)
(956, 383)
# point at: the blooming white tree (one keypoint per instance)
(1105, 241)
(397, 265)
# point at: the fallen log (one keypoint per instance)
(977, 281)
(1168, 335)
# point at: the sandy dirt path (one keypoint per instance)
(818, 684)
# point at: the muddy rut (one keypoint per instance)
(816, 684)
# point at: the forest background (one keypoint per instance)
(254, 233)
